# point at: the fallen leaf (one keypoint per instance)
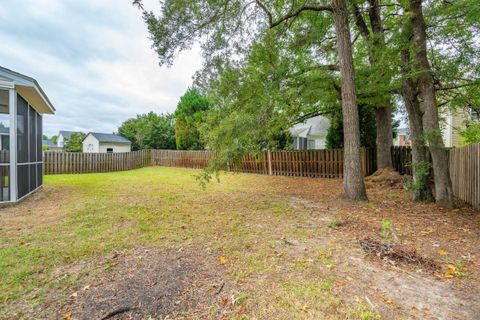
(452, 268)
(223, 260)
(242, 310)
(86, 288)
(442, 252)
(74, 295)
(67, 315)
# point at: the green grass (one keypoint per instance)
(244, 217)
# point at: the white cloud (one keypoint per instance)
(94, 61)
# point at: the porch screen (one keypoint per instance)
(29, 148)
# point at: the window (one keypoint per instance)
(310, 144)
(109, 150)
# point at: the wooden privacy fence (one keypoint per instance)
(305, 163)
(401, 160)
(197, 159)
(465, 173)
(77, 162)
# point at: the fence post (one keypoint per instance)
(269, 158)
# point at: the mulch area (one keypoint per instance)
(143, 282)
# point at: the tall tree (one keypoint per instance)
(426, 90)
(231, 25)
(149, 131)
(353, 183)
(374, 39)
(189, 116)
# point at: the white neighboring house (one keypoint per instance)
(96, 142)
(311, 134)
(62, 135)
(454, 122)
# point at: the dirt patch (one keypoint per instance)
(44, 207)
(147, 282)
(386, 178)
(399, 294)
(395, 254)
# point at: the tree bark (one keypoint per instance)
(383, 116)
(443, 184)
(383, 119)
(353, 182)
(423, 191)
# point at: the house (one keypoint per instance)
(402, 138)
(310, 134)
(50, 146)
(62, 135)
(454, 122)
(22, 106)
(96, 142)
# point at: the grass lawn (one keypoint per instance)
(249, 247)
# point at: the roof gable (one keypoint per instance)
(315, 126)
(109, 137)
(66, 134)
(28, 88)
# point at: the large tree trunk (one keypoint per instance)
(383, 119)
(422, 191)
(443, 185)
(383, 116)
(353, 183)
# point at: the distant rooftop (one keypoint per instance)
(66, 134)
(315, 126)
(48, 143)
(109, 137)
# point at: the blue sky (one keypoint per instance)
(93, 59)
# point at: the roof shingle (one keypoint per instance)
(109, 137)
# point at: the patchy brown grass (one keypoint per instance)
(151, 244)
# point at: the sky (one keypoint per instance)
(93, 59)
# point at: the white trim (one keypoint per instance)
(5, 84)
(25, 163)
(44, 97)
(13, 145)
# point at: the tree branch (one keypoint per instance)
(291, 14)
(360, 22)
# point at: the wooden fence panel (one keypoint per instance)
(304, 163)
(464, 164)
(71, 162)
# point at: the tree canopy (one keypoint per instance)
(74, 143)
(149, 131)
(189, 116)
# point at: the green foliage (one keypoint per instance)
(74, 143)
(422, 171)
(149, 131)
(471, 134)
(386, 232)
(189, 116)
(368, 133)
(335, 223)
(54, 139)
(45, 148)
(44, 137)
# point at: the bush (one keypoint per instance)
(471, 134)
